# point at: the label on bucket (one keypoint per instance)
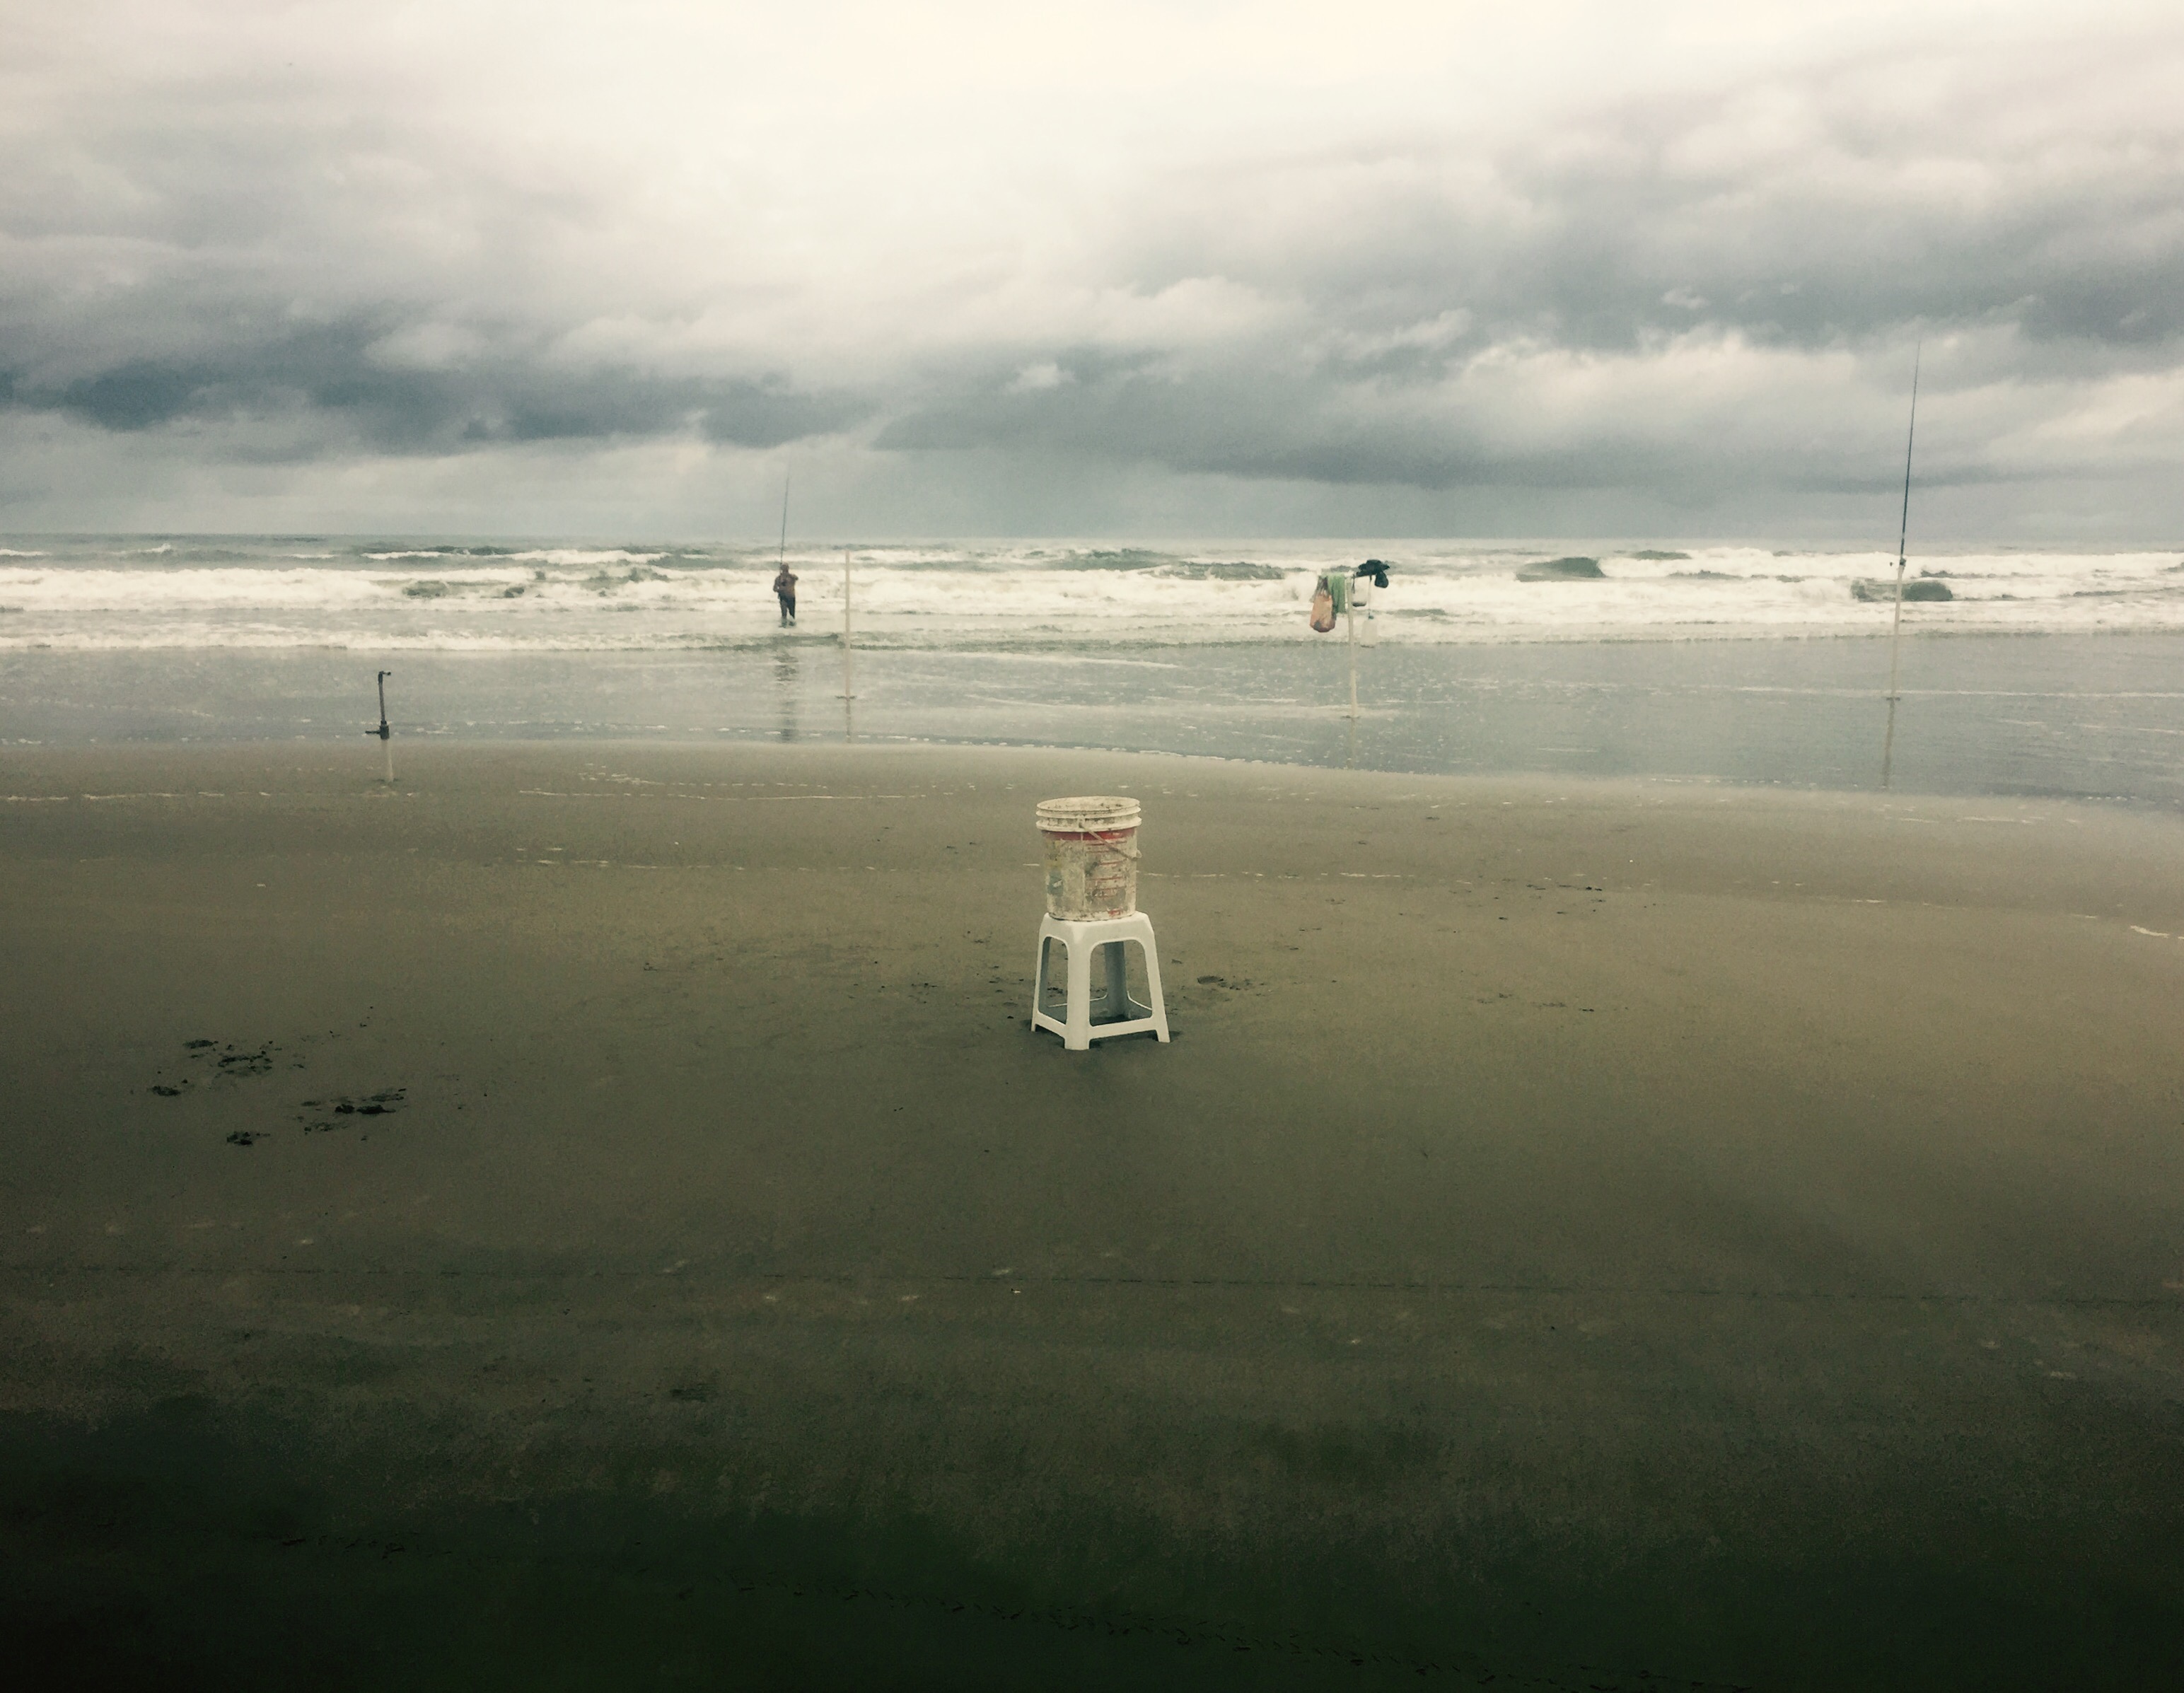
(1091, 857)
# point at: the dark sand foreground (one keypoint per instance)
(1592, 1237)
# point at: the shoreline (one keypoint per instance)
(364, 766)
(1752, 1262)
(2056, 718)
(1095, 647)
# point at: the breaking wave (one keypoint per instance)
(457, 595)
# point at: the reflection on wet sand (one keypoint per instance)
(786, 676)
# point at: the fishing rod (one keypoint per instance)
(781, 562)
(1903, 534)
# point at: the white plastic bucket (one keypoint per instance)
(1091, 857)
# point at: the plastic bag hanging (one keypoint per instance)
(1323, 609)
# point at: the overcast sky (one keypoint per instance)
(1187, 269)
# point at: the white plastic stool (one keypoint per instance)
(1118, 1013)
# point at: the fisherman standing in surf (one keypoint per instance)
(785, 590)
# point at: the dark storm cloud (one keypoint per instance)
(1805, 212)
(1249, 423)
(327, 378)
(1621, 248)
(300, 267)
(2025, 232)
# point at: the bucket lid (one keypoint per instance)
(1089, 815)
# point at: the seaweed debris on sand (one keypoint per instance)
(1561, 569)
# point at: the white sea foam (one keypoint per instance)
(145, 592)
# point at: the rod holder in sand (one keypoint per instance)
(1349, 616)
(1347, 593)
(386, 734)
(849, 630)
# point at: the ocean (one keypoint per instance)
(2043, 673)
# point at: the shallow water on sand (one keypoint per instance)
(2084, 717)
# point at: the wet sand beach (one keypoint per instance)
(596, 1215)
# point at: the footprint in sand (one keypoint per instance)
(380, 1104)
(208, 1062)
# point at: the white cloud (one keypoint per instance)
(1046, 374)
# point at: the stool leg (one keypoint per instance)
(1158, 1009)
(1039, 976)
(1079, 1038)
(1118, 981)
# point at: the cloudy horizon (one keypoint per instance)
(982, 270)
